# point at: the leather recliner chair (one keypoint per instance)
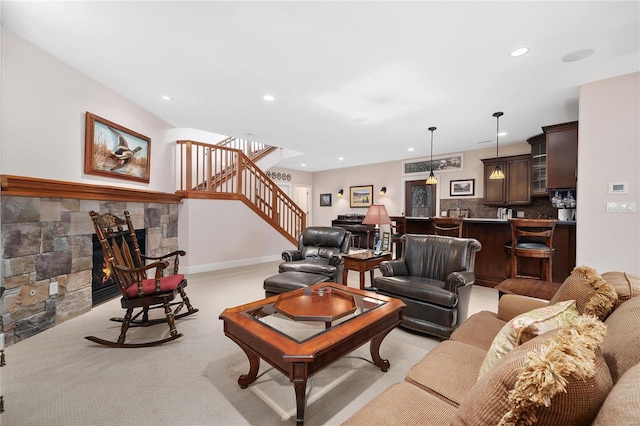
(434, 278)
(320, 250)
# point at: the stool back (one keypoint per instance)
(449, 226)
(534, 231)
(532, 238)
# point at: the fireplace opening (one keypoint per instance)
(103, 286)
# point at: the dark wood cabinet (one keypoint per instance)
(562, 155)
(538, 165)
(554, 158)
(515, 188)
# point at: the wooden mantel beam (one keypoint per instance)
(36, 187)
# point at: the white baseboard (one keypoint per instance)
(227, 265)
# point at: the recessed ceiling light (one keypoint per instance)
(166, 98)
(578, 55)
(410, 149)
(502, 134)
(340, 158)
(519, 51)
(303, 165)
(268, 98)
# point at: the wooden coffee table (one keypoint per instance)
(363, 262)
(303, 331)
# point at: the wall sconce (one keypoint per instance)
(383, 190)
(340, 193)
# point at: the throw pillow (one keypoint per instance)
(622, 406)
(620, 346)
(526, 326)
(557, 379)
(626, 285)
(593, 295)
(567, 360)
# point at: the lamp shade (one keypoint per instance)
(377, 215)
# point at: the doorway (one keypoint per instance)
(302, 197)
(420, 199)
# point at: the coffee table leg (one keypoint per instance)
(300, 386)
(254, 365)
(375, 351)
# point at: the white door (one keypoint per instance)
(302, 197)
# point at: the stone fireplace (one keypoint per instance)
(48, 240)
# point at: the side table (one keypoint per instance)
(363, 262)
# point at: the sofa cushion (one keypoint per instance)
(418, 288)
(313, 266)
(434, 372)
(479, 330)
(621, 345)
(593, 295)
(403, 404)
(626, 285)
(558, 378)
(526, 326)
(622, 406)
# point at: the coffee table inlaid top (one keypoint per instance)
(316, 305)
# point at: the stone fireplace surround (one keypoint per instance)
(48, 239)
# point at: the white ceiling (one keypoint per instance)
(360, 80)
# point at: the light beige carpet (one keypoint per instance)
(59, 378)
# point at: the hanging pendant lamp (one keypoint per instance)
(497, 172)
(431, 180)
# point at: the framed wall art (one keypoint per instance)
(462, 187)
(449, 163)
(115, 151)
(360, 196)
(325, 200)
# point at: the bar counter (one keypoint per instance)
(491, 261)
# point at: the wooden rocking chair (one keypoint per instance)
(127, 266)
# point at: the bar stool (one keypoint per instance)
(397, 231)
(450, 226)
(531, 238)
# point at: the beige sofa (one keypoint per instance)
(581, 373)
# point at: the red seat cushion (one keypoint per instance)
(149, 286)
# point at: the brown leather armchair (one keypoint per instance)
(320, 250)
(434, 278)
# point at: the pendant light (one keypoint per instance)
(431, 180)
(497, 172)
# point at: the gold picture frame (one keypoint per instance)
(360, 196)
(114, 151)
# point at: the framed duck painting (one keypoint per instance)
(114, 151)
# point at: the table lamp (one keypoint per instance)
(377, 215)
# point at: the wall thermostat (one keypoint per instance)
(618, 187)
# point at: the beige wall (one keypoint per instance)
(390, 174)
(609, 151)
(43, 119)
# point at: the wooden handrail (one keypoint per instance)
(221, 172)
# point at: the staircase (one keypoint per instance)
(228, 171)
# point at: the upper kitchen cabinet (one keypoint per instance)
(538, 164)
(562, 155)
(555, 158)
(515, 188)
